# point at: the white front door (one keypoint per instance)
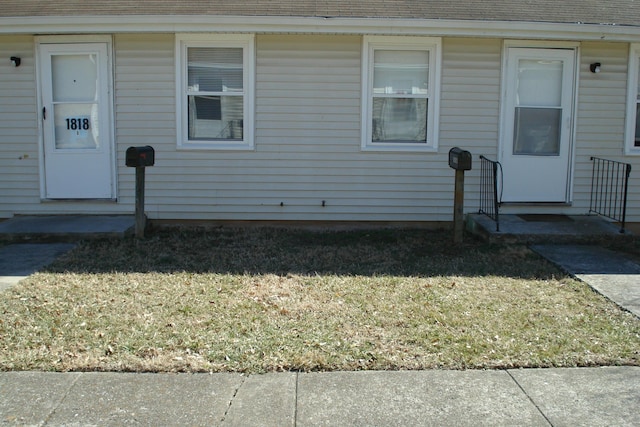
(78, 150)
(537, 124)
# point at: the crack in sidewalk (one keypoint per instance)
(530, 398)
(62, 399)
(295, 408)
(235, 393)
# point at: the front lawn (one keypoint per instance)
(266, 299)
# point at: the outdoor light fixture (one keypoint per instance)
(16, 61)
(595, 67)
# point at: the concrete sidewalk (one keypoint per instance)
(523, 397)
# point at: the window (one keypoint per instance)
(538, 106)
(400, 93)
(215, 91)
(632, 136)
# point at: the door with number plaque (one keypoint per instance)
(78, 149)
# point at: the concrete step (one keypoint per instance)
(65, 228)
(544, 228)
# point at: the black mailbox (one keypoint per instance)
(459, 159)
(139, 157)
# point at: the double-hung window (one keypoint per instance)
(400, 93)
(215, 91)
(632, 138)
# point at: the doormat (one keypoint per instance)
(544, 218)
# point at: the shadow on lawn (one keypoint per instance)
(398, 252)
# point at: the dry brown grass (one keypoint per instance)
(256, 300)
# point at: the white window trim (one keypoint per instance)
(632, 100)
(247, 43)
(431, 44)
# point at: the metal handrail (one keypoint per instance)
(609, 186)
(489, 204)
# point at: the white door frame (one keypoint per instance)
(108, 139)
(506, 139)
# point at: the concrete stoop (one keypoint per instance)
(65, 228)
(513, 228)
(543, 228)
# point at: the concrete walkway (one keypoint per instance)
(18, 261)
(525, 397)
(610, 273)
(37, 241)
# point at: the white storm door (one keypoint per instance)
(78, 150)
(537, 125)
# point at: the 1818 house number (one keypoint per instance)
(78, 124)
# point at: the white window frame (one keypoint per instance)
(632, 100)
(247, 43)
(431, 44)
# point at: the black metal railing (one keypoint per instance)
(609, 184)
(489, 202)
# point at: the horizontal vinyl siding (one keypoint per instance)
(145, 115)
(307, 144)
(307, 135)
(308, 129)
(307, 149)
(469, 109)
(601, 121)
(18, 120)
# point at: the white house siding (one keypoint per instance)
(19, 186)
(470, 108)
(145, 115)
(307, 134)
(601, 121)
(307, 147)
(308, 141)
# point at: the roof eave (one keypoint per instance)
(316, 25)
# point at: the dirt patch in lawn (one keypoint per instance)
(258, 300)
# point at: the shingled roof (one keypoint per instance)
(609, 12)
